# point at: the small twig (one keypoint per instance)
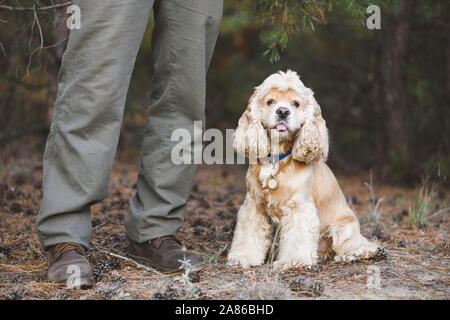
(32, 30)
(137, 264)
(219, 253)
(36, 19)
(374, 213)
(3, 49)
(40, 48)
(439, 212)
(272, 247)
(55, 6)
(100, 225)
(403, 276)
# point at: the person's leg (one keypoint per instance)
(183, 41)
(93, 83)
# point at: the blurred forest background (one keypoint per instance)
(384, 93)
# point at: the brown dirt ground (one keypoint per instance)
(417, 265)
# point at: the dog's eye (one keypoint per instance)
(271, 101)
(295, 103)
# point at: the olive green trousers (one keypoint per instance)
(93, 83)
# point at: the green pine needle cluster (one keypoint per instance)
(282, 19)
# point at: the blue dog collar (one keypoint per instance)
(279, 157)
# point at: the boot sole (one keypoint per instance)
(163, 269)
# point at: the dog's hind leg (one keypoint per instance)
(349, 244)
(251, 236)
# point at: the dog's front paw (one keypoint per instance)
(285, 264)
(244, 261)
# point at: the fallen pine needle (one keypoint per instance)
(22, 269)
(219, 253)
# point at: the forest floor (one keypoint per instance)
(417, 266)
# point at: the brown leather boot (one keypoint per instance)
(67, 263)
(164, 254)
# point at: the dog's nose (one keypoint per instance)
(283, 112)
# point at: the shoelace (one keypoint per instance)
(157, 241)
(64, 247)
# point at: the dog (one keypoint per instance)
(290, 183)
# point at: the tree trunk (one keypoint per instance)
(394, 89)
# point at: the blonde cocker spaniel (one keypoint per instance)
(288, 182)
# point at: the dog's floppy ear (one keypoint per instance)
(250, 137)
(311, 143)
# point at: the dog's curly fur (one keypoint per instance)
(308, 203)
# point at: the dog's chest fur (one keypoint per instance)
(289, 178)
(266, 172)
(268, 196)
